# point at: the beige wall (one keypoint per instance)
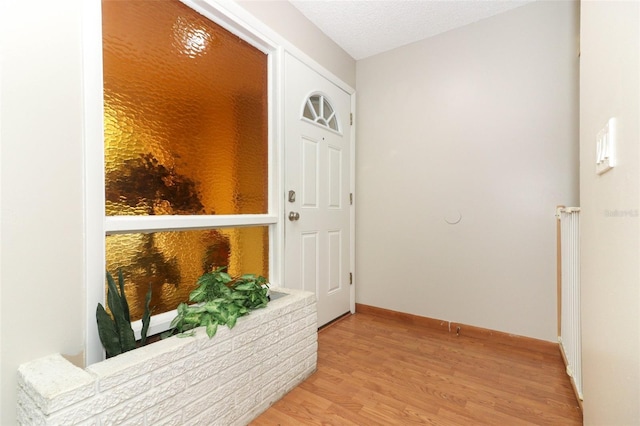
(482, 120)
(493, 104)
(610, 229)
(287, 21)
(41, 270)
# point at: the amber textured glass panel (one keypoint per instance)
(171, 262)
(185, 106)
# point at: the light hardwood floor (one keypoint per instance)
(374, 370)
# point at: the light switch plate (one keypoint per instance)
(605, 147)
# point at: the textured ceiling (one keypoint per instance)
(365, 28)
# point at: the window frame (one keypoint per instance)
(97, 224)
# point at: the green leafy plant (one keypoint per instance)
(115, 330)
(219, 300)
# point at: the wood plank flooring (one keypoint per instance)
(382, 371)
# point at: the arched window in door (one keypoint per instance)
(318, 109)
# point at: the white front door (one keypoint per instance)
(317, 182)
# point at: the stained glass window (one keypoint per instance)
(186, 134)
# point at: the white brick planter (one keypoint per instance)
(227, 380)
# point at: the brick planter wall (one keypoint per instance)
(227, 380)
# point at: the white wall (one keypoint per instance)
(291, 24)
(41, 270)
(42, 218)
(482, 120)
(610, 229)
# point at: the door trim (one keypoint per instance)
(352, 248)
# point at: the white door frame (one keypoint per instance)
(318, 220)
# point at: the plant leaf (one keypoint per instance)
(113, 301)
(146, 318)
(197, 295)
(192, 319)
(231, 322)
(107, 332)
(167, 333)
(123, 297)
(245, 286)
(175, 321)
(224, 316)
(182, 308)
(123, 326)
(220, 301)
(236, 295)
(185, 334)
(212, 328)
(212, 308)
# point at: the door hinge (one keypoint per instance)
(351, 118)
(351, 198)
(350, 278)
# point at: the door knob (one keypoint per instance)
(293, 216)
